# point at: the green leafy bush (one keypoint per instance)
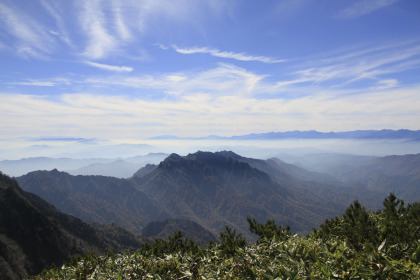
(359, 245)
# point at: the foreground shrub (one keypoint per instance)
(296, 258)
(359, 245)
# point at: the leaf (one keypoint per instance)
(381, 246)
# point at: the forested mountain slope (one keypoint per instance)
(35, 235)
(220, 190)
(98, 199)
(399, 174)
(211, 189)
(312, 185)
(189, 229)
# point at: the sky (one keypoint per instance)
(133, 69)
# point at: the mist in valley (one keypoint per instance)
(121, 158)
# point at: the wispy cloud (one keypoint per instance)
(31, 39)
(385, 84)
(109, 27)
(362, 7)
(100, 41)
(366, 64)
(226, 79)
(34, 83)
(41, 83)
(226, 54)
(341, 72)
(52, 9)
(101, 28)
(110, 67)
(121, 27)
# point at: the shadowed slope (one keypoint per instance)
(35, 235)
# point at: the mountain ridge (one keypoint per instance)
(86, 166)
(311, 134)
(210, 189)
(231, 187)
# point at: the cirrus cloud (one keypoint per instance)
(109, 67)
(226, 54)
(361, 8)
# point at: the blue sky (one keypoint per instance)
(137, 69)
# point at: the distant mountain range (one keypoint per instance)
(398, 174)
(120, 167)
(212, 190)
(313, 134)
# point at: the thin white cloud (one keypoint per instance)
(363, 7)
(42, 83)
(109, 26)
(102, 28)
(52, 9)
(385, 84)
(224, 79)
(361, 65)
(109, 67)
(34, 83)
(225, 54)
(92, 21)
(120, 25)
(161, 46)
(374, 68)
(31, 39)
